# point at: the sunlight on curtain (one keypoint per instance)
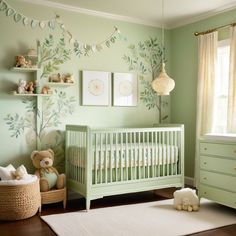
(221, 89)
(231, 121)
(207, 62)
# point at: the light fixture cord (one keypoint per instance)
(163, 32)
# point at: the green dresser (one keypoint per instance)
(217, 166)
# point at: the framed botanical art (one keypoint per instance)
(125, 89)
(96, 88)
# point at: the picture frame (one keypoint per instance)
(96, 88)
(125, 89)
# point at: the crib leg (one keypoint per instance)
(88, 202)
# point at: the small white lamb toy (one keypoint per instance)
(21, 86)
(186, 199)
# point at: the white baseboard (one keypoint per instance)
(189, 181)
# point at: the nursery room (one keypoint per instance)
(118, 117)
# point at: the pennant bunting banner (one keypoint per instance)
(80, 49)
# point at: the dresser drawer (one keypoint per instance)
(218, 195)
(226, 182)
(218, 149)
(222, 165)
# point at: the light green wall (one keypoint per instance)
(16, 39)
(181, 47)
(184, 62)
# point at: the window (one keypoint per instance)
(221, 88)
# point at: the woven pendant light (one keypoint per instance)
(163, 84)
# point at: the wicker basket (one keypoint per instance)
(19, 202)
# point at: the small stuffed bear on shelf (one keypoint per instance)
(48, 175)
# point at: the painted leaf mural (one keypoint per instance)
(52, 54)
(145, 59)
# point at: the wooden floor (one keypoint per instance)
(36, 227)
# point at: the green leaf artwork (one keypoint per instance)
(52, 54)
(145, 59)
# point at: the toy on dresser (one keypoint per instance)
(186, 199)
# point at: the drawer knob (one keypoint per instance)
(205, 192)
(205, 178)
(204, 163)
(205, 148)
(235, 168)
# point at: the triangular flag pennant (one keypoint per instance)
(9, 11)
(17, 17)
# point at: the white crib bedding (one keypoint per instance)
(126, 155)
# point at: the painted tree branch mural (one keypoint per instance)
(145, 58)
(55, 108)
(52, 55)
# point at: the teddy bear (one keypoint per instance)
(30, 87)
(21, 61)
(186, 199)
(48, 175)
(46, 90)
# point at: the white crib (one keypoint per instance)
(109, 161)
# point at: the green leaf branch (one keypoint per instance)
(145, 58)
(52, 55)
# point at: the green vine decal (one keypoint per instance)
(17, 124)
(145, 58)
(53, 112)
(50, 56)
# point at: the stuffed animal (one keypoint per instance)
(30, 87)
(48, 175)
(68, 78)
(21, 62)
(21, 86)
(20, 173)
(186, 199)
(56, 78)
(46, 90)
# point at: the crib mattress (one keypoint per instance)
(126, 155)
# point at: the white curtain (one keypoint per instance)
(207, 61)
(231, 116)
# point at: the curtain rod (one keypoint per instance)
(212, 30)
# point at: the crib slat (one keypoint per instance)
(105, 167)
(101, 160)
(95, 161)
(126, 155)
(111, 156)
(117, 156)
(139, 155)
(147, 157)
(121, 156)
(143, 154)
(152, 154)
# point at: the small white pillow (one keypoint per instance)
(6, 172)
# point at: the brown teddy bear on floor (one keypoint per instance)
(48, 175)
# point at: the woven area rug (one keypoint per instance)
(145, 219)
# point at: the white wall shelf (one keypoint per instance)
(59, 84)
(20, 69)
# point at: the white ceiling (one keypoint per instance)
(148, 12)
